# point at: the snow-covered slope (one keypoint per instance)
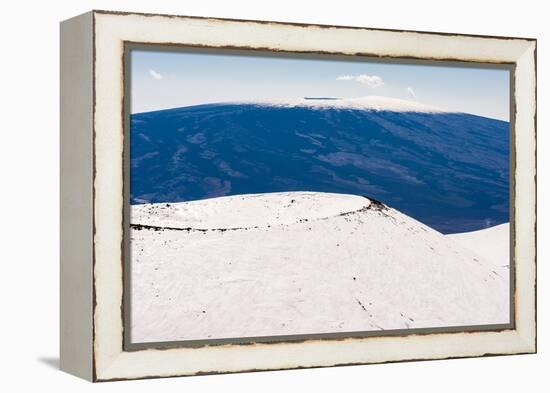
(375, 103)
(493, 244)
(300, 263)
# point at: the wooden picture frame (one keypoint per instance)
(94, 190)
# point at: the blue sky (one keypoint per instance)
(163, 79)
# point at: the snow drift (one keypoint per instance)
(300, 263)
(492, 244)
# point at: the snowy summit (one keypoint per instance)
(373, 103)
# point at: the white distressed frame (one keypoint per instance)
(110, 31)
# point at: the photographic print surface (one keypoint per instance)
(276, 196)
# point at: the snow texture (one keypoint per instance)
(302, 263)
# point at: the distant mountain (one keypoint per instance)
(448, 170)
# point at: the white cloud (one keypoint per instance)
(411, 92)
(370, 80)
(155, 75)
(345, 78)
(373, 81)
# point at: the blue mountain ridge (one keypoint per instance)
(447, 170)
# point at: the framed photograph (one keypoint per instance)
(246, 195)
